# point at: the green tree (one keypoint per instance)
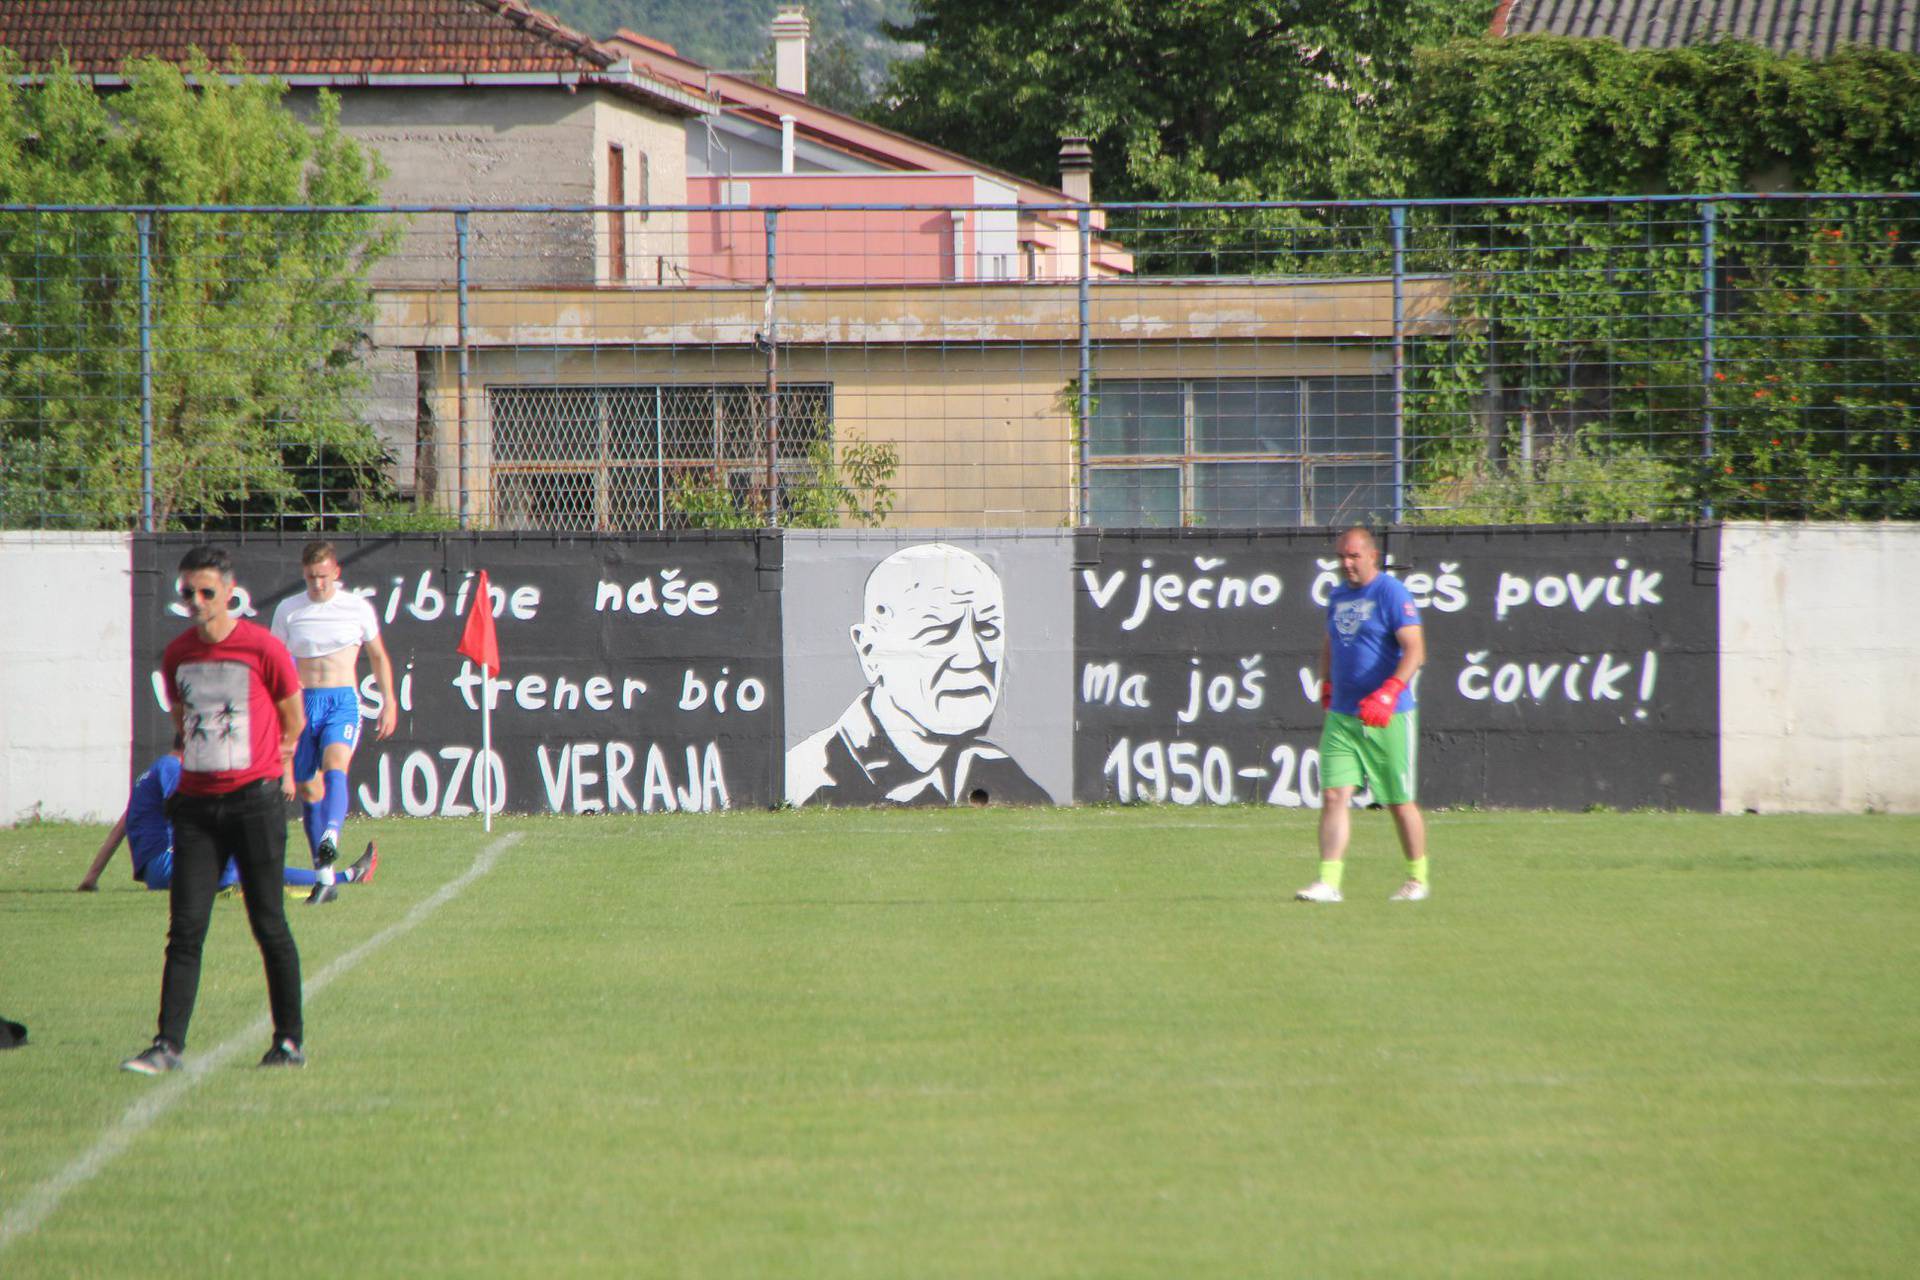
(257, 320)
(1201, 100)
(1550, 116)
(1591, 318)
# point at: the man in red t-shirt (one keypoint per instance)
(237, 707)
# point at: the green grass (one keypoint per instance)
(1075, 1043)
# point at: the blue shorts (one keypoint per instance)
(158, 872)
(333, 715)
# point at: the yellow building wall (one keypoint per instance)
(984, 436)
(974, 387)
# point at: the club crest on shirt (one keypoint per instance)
(1350, 615)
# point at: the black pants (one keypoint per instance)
(249, 826)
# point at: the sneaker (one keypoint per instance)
(323, 894)
(364, 866)
(156, 1059)
(1318, 891)
(285, 1053)
(1411, 891)
(326, 853)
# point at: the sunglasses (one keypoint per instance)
(203, 593)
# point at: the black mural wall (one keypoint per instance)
(637, 673)
(1566, 667)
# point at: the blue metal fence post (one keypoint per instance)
(460, 283)
(1708, 215)
(770, 326)
(1398, 216)
(1085, 413)
(143, 226)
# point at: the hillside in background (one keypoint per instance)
(850, 53)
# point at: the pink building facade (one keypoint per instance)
(950, 219)
(923, 228)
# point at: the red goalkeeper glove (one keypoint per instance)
(1376, 709)
(1326, 694)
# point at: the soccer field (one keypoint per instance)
(993, 1043)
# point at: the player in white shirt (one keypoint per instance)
(325, 628)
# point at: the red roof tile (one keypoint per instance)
(302, 37)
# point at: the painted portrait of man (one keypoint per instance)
(932, 647)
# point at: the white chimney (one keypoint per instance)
(1076, 169)
(790, 32)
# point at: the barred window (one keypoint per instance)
(610, 457)
(1233, 452)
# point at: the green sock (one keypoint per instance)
(1330, 872)
(1417, 870)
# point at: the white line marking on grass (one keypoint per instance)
(38, 1204)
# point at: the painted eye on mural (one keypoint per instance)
(938, 634)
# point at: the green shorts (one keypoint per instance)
(1387, 759)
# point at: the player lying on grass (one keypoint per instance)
(149, 837)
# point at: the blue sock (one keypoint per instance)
(310, 819)
(333, 813)
(334, 804)
(230, 876)
(301, 878)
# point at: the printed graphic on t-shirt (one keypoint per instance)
(1350, 615)
(216, 715)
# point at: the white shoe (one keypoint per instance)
(1411, 891)
(1318, 891)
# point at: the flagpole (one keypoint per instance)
(479, 645)
(486, 748)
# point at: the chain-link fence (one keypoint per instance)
(601, 368)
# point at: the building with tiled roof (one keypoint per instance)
(468, 102)
(340, 42)
(1813, 28)
(575, 364)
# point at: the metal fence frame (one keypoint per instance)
(1706, 214)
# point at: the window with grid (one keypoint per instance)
(1236, 452)
(609, 457)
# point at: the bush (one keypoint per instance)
(1575, 480)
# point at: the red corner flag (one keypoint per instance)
(478, 640)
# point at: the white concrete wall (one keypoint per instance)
(1819, 672)
(1820, 668)
(66, 706)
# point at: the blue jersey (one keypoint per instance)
(1361, 622)
(149, 834)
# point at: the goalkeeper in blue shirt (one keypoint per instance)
(1373, 646)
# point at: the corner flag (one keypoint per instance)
(479, 643)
